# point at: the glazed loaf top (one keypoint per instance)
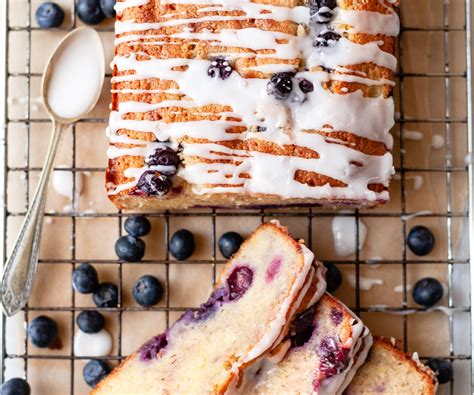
(262, 97)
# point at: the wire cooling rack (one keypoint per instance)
(453, 123)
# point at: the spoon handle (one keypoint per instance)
(20, 270)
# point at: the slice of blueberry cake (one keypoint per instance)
(327, 344)
(206, 351)
(388, 370)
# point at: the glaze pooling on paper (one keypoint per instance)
(296, 122)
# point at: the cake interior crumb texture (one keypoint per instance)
(390, 371)
(206, 351)
(252, 103)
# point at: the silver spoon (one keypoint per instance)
(70, 56)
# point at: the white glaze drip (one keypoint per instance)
(285, 122)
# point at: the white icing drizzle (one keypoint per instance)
(124, 4)
(437, 141)
(285, 122)
(407, 217)
(344, 234)
(365, 283)
(93, 345)
(399, 288)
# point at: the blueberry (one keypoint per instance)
(16, 386)
(427, 292)
(229, 243)
(333, 277)
(95, 371)
(106, 295)
(154, 183)
(164, 157)
(130, 248)
(49, 14)
(239, 281)
(147, 291)
(219, 67)
(90, 321)
(327, 38)
(420, 240)
(280, 85)
(137, 225)
(90, 12)
(334, 357)
(43, 331)
(152, 347)
(442, 368)
(84, 279)
(182, 244)
(322, 10)
(306, 86)
(108, 7)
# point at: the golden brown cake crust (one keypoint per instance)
(154, 90)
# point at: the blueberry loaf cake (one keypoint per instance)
(328, 344)
(230, 103)
(390, 371)
(207, 351)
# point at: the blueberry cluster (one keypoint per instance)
(285, 86)
(91, 12)
(131, 248)
(158, 183)
(86, 281)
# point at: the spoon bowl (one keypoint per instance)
(71, 86)
(55, 82)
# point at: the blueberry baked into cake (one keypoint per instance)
(248, 314)
(328, 344)
(230, 103)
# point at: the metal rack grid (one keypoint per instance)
(307, 215)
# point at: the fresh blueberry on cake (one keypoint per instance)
(246, 316)
(106, 295)
(49, 14)
(442, 368)
(229, 243)
(165, 157)
(137, 225)
(154, 184)
(220, 67)
(85, 278)
(16, 386)
(182, 244)
(280, 85)
(42, 331)
(94, 371)
(328, 343)
(427, 292)
(420, 240)
(90, 321)
(90, 11)
(130, 248)
(326, 38)
(147, 291)
(389, 371)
